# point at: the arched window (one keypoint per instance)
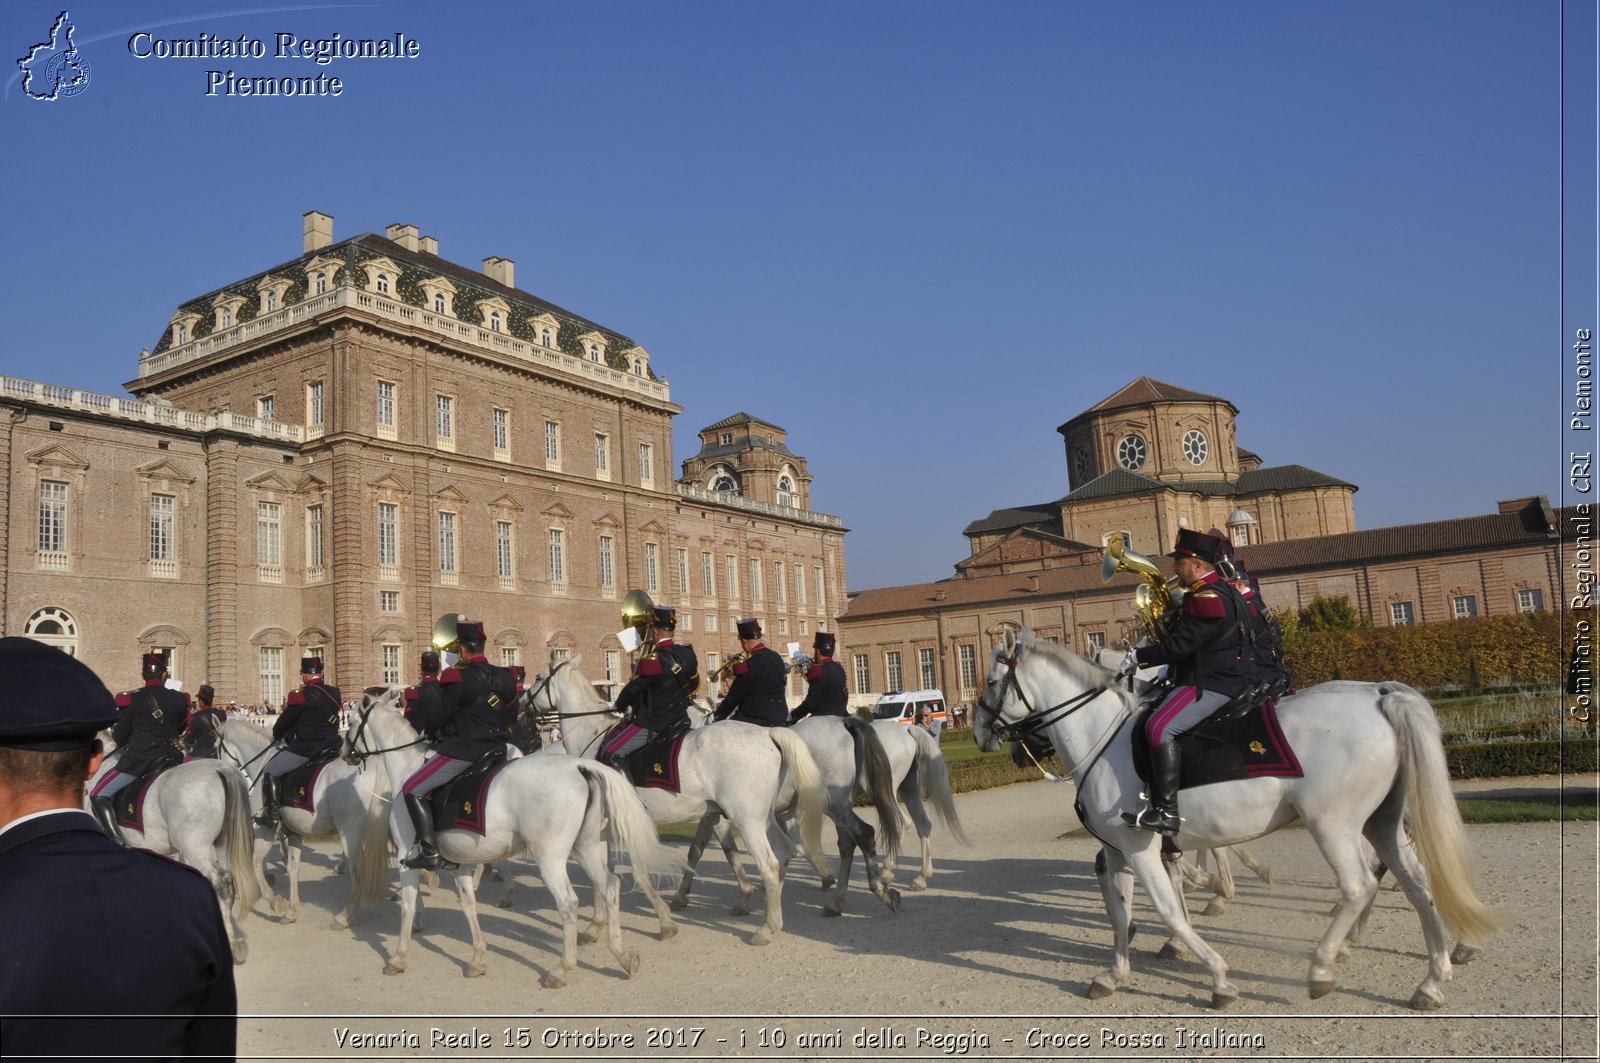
(227, 318)
(786, 496)
(53, 627)
(494, 321)
(545, 338)
(272, 301)
(438, 302)
(594, 352)
(322, 284)
(383, 284)
(722, 480)
(182, 335)
(638, 367)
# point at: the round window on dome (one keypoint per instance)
(1132, 452)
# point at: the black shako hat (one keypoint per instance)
(824, 643)
(664, 618)
(750, 629)
(1198, 544)
(311, 666)
(206, 694)
(430, 662)
(53, 701)
(153, 665)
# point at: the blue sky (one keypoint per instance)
(917, 235)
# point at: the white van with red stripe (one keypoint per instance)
(926, 707)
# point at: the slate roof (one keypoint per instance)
(1045, 515)
(742, 418)
(1146, 391)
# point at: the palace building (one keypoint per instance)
(1141, 464)
(327, 455)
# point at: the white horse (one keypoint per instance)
(1373, 764)
(200, 811)
(736, 768)
(556, 808)
(917, 762)
(347, 803)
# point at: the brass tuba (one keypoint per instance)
(1155, 600)
(445, 635)
(638, 612)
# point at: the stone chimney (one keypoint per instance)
(319, 231)
(404, 235)
(500, 269)
(429, 244)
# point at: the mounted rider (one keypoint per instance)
(756, 695)
(149, 737)
(204, 731)
(826, 693)
(308, 728)
(1208, 659)
(656, 700)
(424, 699)
(477, 704)
(1265, 636)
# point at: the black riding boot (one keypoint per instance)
(268, 817)
(1161, 814)
(427, 855)
(105, 813)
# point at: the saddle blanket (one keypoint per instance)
(655, 764)
(1251, 746)
(296, 786)
(460, 804)
(130, 799)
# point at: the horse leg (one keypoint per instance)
(1388, 836)
(1173, 948)
(1158, 882)
(553, 869)
(1222, 883)
(1262, 871)
(409, 889)
(291, 871)
(593, 856)
(697, 848)
(465, 880)
(1116, 890)
(1357, 886)
(911, 794)
(771, 880)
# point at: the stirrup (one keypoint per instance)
(1151, 818)
(425, 859)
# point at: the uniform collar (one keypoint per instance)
(1210, 579)
(475, 658)
(663, 642)
(314, 681)
(155, 682)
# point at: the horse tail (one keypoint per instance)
(877, 778)
(1432, 817)
(238, 840)
(812, 800)
(632, 829)
(936, 781)
(369, 868)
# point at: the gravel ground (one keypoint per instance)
(991, 961)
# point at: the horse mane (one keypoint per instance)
(246, 735)
(388, 725)
(576, 682)
(1080, 668)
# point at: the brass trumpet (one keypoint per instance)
(725, 669)
(1156, 600)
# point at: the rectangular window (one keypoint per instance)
(778, 586)
(967, 656)
(508, 656)
(602, 456)
(1465, 606)
(925, 666)
(559, 654)
(1401, 614)
(730, 575)
(712, 660)
(686, 622)
(385, 404)
(863, 674)
(502, 432)
(558, 557)
(652, 569)
(270, 674)
(162, 547)
(447, 543)
(314, 407)
(783, 625)
(314, 537)
(444, 417)
(647, 463)
(711, 622)
(822, 590)
(269, 533)
(608, 579)
(52, 517)
(708, 575)
(800, 585)
(756, 590)
(388, 533)
(681, 565)
(504, 557)
(891, 669)
(388, 601)
(552, 443)
(1095, 641)
(613, 668)
(267, 407)
(389, 664)
(805, 627)
(1530, 601)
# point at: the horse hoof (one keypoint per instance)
(760, 938)
(390, 968)
(1217, 906)
(1101, 988)
(240, 951)
(503, 903)
(630, 964)
(892, 899)
(1223, 998)
(678, 904)
(917, 885)
(279, 906)
(1465, 953)
(831, 911)
(1169, 951)
(667, 933)
(553, 981)
(1421, 1001)
(474, 970)
(1342, 953)
(339, 923)
(1321, 988)
(828, 882)
(588, 937)
(741, 909)
(1265, 874)
(292, 915)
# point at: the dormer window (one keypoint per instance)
(320, 283)
(438, 302)
(727, 439)
(180, 334)
(271, 301)
(225, 318)
(638, 367)
(383, 284)
(544, 337)
(494, 321)
(439, 294)
(594, 345)
(594, 352)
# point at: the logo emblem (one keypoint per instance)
(1258, 749)
(55, 69)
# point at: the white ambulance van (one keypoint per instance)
(914, 706)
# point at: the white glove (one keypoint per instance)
(1129, 665)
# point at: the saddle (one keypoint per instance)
(130, 799)
(460, 804)
(296, 786)
(655, 764)
(1232, 743)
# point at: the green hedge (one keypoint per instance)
(1522, 758)
(1526, 648)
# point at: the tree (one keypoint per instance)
(1332, 614)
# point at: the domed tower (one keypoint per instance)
(746, 456)
(1157, 430)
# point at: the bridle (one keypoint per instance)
(358, 757)
(552, 713)
(1036, 720)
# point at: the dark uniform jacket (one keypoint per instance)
(1207, 648)
(91, 927)
(425, 706)
(149, 728)
(204, 731)
(756, 695)
(479, 705)
(660, 702)
(827, 695)
(309, 725)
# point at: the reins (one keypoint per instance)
(359, 756)
(560, 714)
(1037, 720)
